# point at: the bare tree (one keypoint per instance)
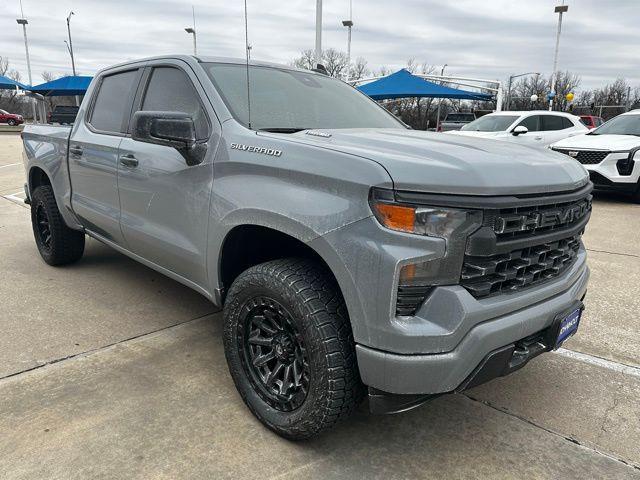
(359, 69)
(306, 60)
(335, 62)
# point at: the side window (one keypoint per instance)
(553, 122)
(171, 90)
(532, 123)
(112, 101)
(566, 123)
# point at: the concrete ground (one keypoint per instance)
(110, 370)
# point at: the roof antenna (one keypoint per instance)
(246, 49)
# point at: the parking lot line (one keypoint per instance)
(601, 362)
(11, 165)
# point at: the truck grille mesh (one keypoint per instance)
(484, 276)
(585, 157)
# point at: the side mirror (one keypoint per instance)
(171, 129)
(519, 130)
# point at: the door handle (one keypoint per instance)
(538, 138)
(129, 160)
(75, 150)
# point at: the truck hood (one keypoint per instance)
(473, 133)
(438, 163)
(600, 142)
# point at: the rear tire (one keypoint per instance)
(290, 348)
(57, 243)
(12, 122)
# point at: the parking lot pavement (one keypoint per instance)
(109, 370)
(163, 406)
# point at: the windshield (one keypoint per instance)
(460, 117)
(621, 125)
(287, 100)
(491, 123)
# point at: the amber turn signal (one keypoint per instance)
(396, 217)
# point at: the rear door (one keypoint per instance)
(165, 202)
(93, 152)
(556, 127)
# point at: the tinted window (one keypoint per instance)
(490, 123)
(170, 90)
(553, 122)
(566, 123)
(585, 121)
(112, 101)
(598, 121)
(532, 123)
(290, 99)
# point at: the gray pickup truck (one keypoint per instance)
(352, 256)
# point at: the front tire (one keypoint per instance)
(290, 348)
(12, 122)
(57, 243)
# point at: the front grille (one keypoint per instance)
(410, 297)
(585, 157)
(487, 275)
(535, 220)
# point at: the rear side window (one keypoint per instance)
(555, 122)
(171, 90)
(532, 123)
(112, 102)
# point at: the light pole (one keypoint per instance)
(73, 62)
(511, 77)
(192, 30)
(560, 9)
(349, 24)
(23, 21)
(440, 102)
(318, 51)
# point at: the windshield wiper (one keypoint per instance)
(282, 129)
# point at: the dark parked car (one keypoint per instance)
(10, 118)
(63, 114)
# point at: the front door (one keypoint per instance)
(164, 202)
(93, 154)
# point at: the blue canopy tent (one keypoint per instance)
(403, 84)
(7, 84)
(64, 86)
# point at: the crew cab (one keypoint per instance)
(611, 154)
(532, 128)
(10, 118)
(351, 255)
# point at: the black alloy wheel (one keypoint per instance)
(274, 355)
(42, 227)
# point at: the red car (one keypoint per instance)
(591, 121)
(10, 118)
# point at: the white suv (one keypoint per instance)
(533, 128)
(610, 153)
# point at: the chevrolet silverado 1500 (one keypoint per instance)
(352, 256)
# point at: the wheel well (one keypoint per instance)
(37, 178)
(249, 245)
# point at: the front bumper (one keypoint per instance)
(444, 372)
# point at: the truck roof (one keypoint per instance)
(205, 58)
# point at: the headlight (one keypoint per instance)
(453, 225)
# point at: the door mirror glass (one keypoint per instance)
(519, 130)
(171, 129)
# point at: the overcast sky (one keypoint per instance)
(487, 39)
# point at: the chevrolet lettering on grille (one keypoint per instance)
(547, 218)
